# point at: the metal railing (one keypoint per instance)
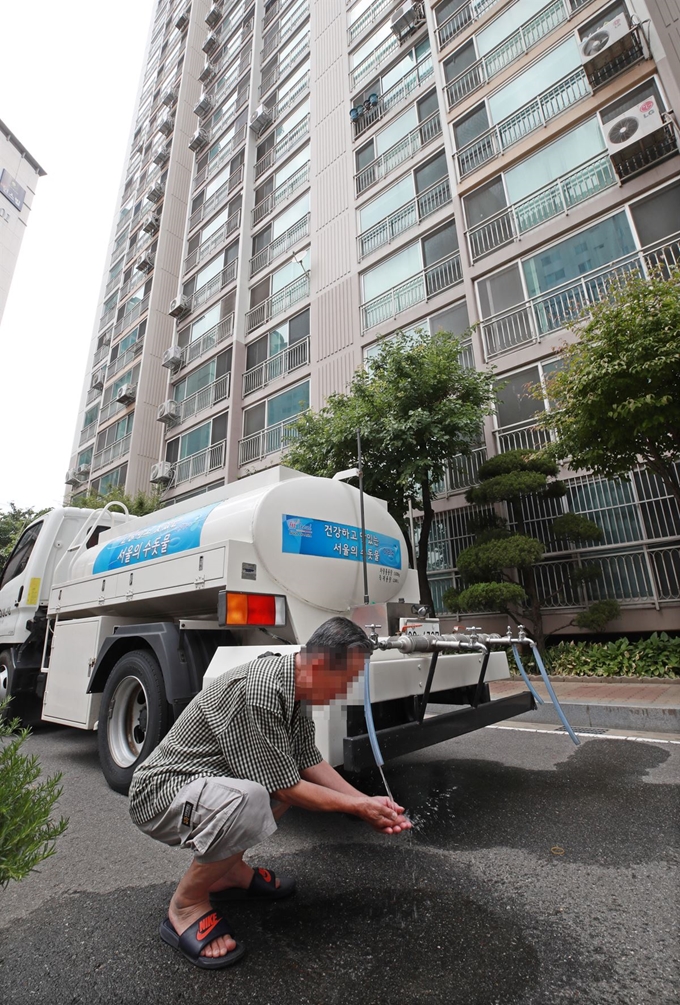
(373, 60)
(225, 120)
(88, 432)
(521, 436)
(536, 113)
(463, 469)
(113, 282)
(107, 317)
(278, 303)
(422, 286)
(289, 63)
(111, 453)
(267, 441)
(218, 282)
(131, 316)
(283, 146)
(552, 310)
(214, 241)
(208, 340)
(401, 151)
(125, 358)
(217, 199)
(643, 575)
(554, 199)
(460, 19)
(213, 166)
(278, 35)
(276, 366)
(407, 216)
(280, 194)
(392, 97)
(288, 99)
(280, 245)
(101, 354)
(201, 463)
(208, 396)
(367, 18)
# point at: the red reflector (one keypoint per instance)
(261, 609)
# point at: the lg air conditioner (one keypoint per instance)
(180, 307)
(151, 223)
(97, 381)
(204, 106)
(72, 477)
(145, 261)
(170, 97)
(260, 119)
(182, 19)
(167, 124)
(161, 154)
(212, 18)
(637, 123)
(597, 45)
(173, 358)
(207, 73)
(156, 192)
(407, 18)
(168, 412)
(161, 474)
(210, 44)
(198, 140)
(126, 394)
(82, 471)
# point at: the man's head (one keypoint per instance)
(333, 657)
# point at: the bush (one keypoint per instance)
(657, 656)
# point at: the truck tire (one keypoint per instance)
(133, 717)
(25, 706)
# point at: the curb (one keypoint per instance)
(638, 718)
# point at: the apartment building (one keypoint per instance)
(307, 176)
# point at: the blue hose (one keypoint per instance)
(368, 713)
(553, 696)
(518, 661)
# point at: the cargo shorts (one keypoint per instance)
(214, 818)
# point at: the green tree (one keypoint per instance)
(498, 569)
(416, 406)
(12, 522)
(27, 831)
(616, 401)
(138, 505)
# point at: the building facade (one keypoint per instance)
(306, 176)
(19, 173)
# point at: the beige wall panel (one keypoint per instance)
(335, 320)
(334, 252)
(324, 13)
(334, 375)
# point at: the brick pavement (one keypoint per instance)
(600, 691)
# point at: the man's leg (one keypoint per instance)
(191, 900)
(238, 873)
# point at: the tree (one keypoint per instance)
(138, 505)
(616, 401)
(27, 831)
(12, 522)
(498, 569)
(416, 406)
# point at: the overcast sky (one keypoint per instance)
(68, 82)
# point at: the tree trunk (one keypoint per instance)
(529, 582)
(665, 472)
(406, 531)
(421, 559)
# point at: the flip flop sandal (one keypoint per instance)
(204, 931)
(262, 887)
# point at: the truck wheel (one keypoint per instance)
(24, 705)
(133, 717)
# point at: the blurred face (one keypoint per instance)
(320, 677)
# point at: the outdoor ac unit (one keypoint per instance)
(161, 474)
(212, 18)
(406, 18)
(210, 44)
(198, 140)
(145, 261)
(167, 124)
(72, 477)
(180, 307)
(635, 124)
(82, 471)
(606, 43)
(182, 20)
(170, 97)
(97, 381)
(172, 358)
(207, 73)
(204, 106)
(126, 394)
(260, 119)
(161, 154)
(155, 194)
(151, 223)
(168, 412)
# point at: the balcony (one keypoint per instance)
(131, 316)
(107, 317)
(521, 436)
(225, 154)
(113, 283)
(551, 311)
(113, 408)
(394, 96)
(278, 303)
(367, 18)
(200, 346)
(217, 199)
(289, 99)
(218, 282)
(207, 397)
(200, 464)
(111, 453)
(221, 125)
(267, 441)
(553, 200)
(463, 470)
(423, 286)
(534, 115)
(278, 247)
(289, 63)
(409, 215)
(125, 358)
(283, 146)
(213, 242)
(460, 19)
(88, 432)
(136, 279)
(101, 354)
(276, 366)
(280, 194)
(402, 151)
(373, 60)
(278, 36)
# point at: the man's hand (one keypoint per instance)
(383, 815)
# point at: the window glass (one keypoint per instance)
(209, 272)
(365, 155)
(396, 131)
(470, 126)
(223, 141)
(602, 17)
(514, 397)
(406, 63)
(111, 480)
(484, 202)
(284, 51)
(90, 415)
(21, 553)
(546, 71)
(500, 291)
(290, 216)
(192, 442)
(391, 199)
(194, 382)
(392, 271)
(293, 119)
(430, 173)
(256, 352)
(460, 60)
(427, 106)
(358, 9)
(632, 98)
(506, 23)
(291, 166)
(440, 245)
(371, 43)
(555, 159)
(204, 324)
(443, 11)
(293, 270)
(293, 80)
(289, 403)
(214, 224)
(658, 216)
(85, 456)
(454, 320)
(254, 419)
(298, 327)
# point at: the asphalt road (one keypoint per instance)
(473, 907)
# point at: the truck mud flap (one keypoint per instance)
(410, 736)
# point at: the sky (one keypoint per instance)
(68, 83)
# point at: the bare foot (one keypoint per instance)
(183, 917)
(239, 877)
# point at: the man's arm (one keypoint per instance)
(325, 774)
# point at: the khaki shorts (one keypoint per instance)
(215, 818)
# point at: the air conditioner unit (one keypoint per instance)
(72, 477)
(182, 19)
(161, 154)
(635, 124)
(406, 19)
(173, 358)
(168, 412)
(161, 474)
(126, 394)
(205, 105)
(151, 223)
(260, 119)
(210, 44)
(606, 43)
(167, 124)
(207, 73)
(212, 18)
(180, 307)
(155, 194)
(82, 471)
(145, 261)
(170, 97)
(98, 378)
(198, 140)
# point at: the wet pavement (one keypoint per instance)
(537, 873)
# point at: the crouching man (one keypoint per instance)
(239, 755)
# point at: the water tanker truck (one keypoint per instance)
(113, 622)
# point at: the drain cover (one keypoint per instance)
(585, 729)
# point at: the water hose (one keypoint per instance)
(553, 696)
(525, 678)
(370, 726)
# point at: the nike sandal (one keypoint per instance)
(204, 931)
(262, 887)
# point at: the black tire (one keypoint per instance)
(133, 717)
(24, 705)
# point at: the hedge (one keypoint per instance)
(657, 656)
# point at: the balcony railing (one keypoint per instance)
(289, 99)
(111, 453)
(224, 121)
(463, 469)
(200, 346)
(404, 149)
(367, 18)
(552, 200)
(506, 52)
(280, 245)
(407, 216)
(521, 436)
(276, 366)
(412, 291)
(101, 354)
(218, 282)
(277, 304)
(373, 60)
(200, 464)
(207, 397)
(535, 114)
(395, 95)
(135, 280)
(217, 199)
(551, 311)
(88, 432)
(279, 35)
(107, 317)
(131, 316)
(267, 441)
(460, 19)
(288, 64)
(113, 283)
(214, 241)
(280, 194)
(283, 146)
(227, 151)
(125, 358)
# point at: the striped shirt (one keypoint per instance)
(244, 724)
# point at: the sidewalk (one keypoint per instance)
(638, 704)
